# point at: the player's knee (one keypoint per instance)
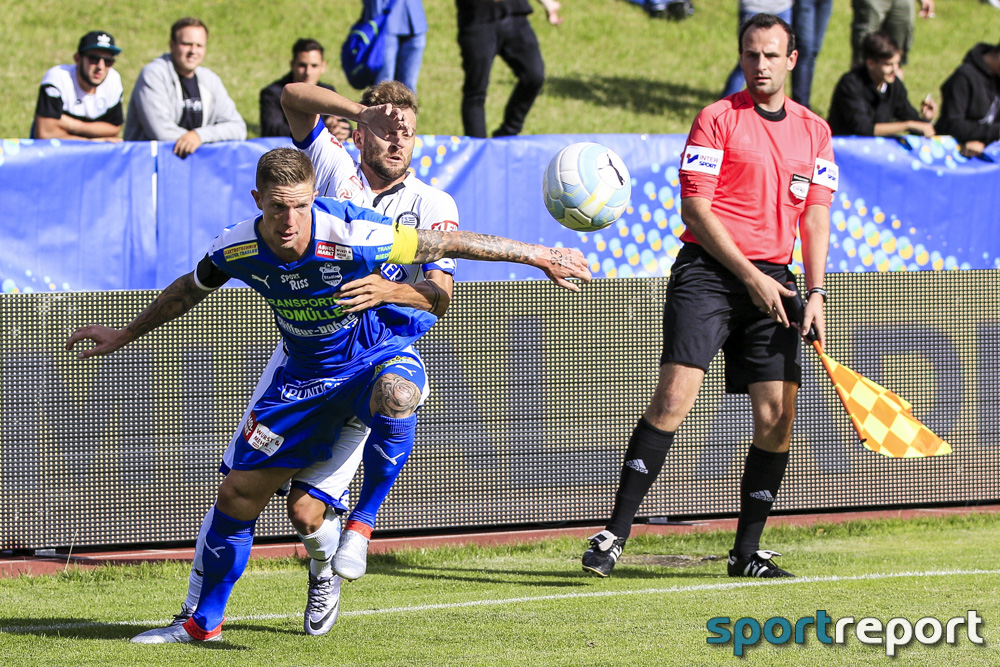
(305, 512)
(394, 396)
(777, 420)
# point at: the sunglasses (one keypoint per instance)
(108, 60)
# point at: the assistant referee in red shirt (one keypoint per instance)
(757, 167)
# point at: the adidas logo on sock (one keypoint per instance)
(637, 465)
(764, 495)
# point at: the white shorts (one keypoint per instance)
(327, 480)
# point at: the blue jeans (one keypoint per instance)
(403, 56)
(735, 83)
(809, 19)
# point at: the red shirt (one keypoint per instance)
(759, 174)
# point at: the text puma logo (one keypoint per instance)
(263, 280)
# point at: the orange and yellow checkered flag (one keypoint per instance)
(881, 418)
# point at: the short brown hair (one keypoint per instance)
(186, 22)
(764, 22)
(390, 92)
(879, 46)
(284, 166)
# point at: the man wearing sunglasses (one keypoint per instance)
(83, 100)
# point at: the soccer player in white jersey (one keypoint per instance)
(343, 361)
(318, 494)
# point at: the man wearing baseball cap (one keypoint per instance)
(83, 100)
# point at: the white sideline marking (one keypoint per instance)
(533, 598)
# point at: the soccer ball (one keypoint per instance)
(586, 187)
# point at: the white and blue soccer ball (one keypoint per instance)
(586, 187)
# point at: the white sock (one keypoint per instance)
(322, 545)
(194, 579)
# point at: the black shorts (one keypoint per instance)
(708, 309)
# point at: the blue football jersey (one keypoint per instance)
(348, 243)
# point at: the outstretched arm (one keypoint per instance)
(181, 296)
(559, 264)
(433, 294)
(303, 102)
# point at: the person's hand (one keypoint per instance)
(552, 11)
(929, 108)
(766, 294)
(814, 319)
(926, 9)
(923, 129)
(386, 121)
(106, 340)
(340, 128)
(972, 148)
(364, 293)
(187, 144)
(560, 264)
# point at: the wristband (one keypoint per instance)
(817, 290)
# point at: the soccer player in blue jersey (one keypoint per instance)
(340, 363)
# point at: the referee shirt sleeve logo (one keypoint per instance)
(702, 159)
(826, 173)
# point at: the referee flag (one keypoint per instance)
(881, 418)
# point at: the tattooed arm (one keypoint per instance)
(181, 296)
(433, 294)
(559, 264)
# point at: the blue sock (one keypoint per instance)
(227, 550)
(387, 449)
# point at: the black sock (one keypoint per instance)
(762, 475)
(647, 449)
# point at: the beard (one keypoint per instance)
(377, 163)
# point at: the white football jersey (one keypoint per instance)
(412, 203)
(60, 81)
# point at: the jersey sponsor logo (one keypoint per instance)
(702, 159)
(254, 276)
(395, 273)
(330, 273)
(261, 437)
(347, 322)
(445, 226)
(408, 218)
(334, 251)
(233, 253)
(826, 173)
(297, 391)
(799, 187)
(294, 280)
(351, 188)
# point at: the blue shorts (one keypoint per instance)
(294, 421)
(708, 309)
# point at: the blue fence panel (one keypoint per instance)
(75, 216)
(85, 216)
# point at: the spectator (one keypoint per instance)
(405, 39)
(809, 20)
(780, 8)
(487, 28)
(893, 17)
(970, 100)
(175, 98)
(84, 100)
(307, 65)
(871, 99)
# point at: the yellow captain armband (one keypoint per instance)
(404, 245)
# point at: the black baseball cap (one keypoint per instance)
(98, 39)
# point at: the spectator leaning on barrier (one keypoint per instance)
(176, 99)
(871, 100)
(970, 100)
(83, 100)
(307, 66)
